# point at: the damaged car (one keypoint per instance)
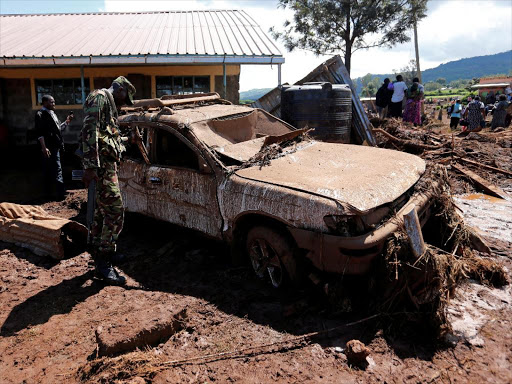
(241, 175)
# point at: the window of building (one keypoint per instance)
(64, 91)
(181, 85)
(171, 151)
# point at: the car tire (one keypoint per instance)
(271, 255)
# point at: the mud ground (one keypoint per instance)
(50, 311)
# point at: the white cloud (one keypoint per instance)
(453, 29)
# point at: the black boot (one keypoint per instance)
(106, 272)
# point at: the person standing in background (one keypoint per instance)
(399, 89)
(475, 115)
(500, 113)
(49, 134)
(421, 88)
(383, 98)
(490, 98)
(412, 112)
(455, 115)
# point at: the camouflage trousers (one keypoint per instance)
(109, 212)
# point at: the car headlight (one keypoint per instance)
(346, 226)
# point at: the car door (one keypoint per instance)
(132, 174)
(181, 185)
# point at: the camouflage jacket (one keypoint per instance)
(101, 137)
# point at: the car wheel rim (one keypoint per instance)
(265, 261)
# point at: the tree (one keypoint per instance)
(370, 85)
(331, 26)
(441, 80)
(432, 86)
(408, 72)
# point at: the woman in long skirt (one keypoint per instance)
(475, 114)
(500, 113)
(412, 113)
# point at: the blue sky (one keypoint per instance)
(52, 6)
(453, 29)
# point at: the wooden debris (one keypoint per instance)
(407, 143)
(480, 182)
(413, 229)
(477, 242)
(141, 146)
(499, 170)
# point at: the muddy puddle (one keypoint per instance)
(490, 215)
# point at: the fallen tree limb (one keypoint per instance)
(489, 188)
(407, 143)
(499, 170)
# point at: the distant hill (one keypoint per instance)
(254, 94)
(478, 66)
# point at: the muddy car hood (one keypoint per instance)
(362, 177)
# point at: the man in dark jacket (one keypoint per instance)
(383, 98)
(48, 130)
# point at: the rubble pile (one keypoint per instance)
(422, 287)
(418, 289)
(486, 153)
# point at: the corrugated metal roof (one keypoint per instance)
(150, 35)
(490, 85)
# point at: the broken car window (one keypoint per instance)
(171, 151)
(133, 151)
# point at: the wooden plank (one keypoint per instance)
(406, 142)
(140, 144)
(413, 229)
(499, 170)
(480, 182)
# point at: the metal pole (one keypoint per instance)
(82, 80)
(279, 75)
(224, 82)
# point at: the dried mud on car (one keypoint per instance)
(51, 312)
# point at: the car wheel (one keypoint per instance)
(271, 255)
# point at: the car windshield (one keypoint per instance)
(237, 138)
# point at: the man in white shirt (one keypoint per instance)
(399, 89)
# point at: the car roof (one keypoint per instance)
(216, 125)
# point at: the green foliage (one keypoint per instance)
(460, 93)
(408, 72)
(441, 81)
(473, 67)
(370, 85)
(460, 83)
(432, 86)
(331, 26)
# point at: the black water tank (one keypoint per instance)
(325, 107)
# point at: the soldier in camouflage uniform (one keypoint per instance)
(103, 145)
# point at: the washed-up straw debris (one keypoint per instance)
(423, 287)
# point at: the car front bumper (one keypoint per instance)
(354, 255)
